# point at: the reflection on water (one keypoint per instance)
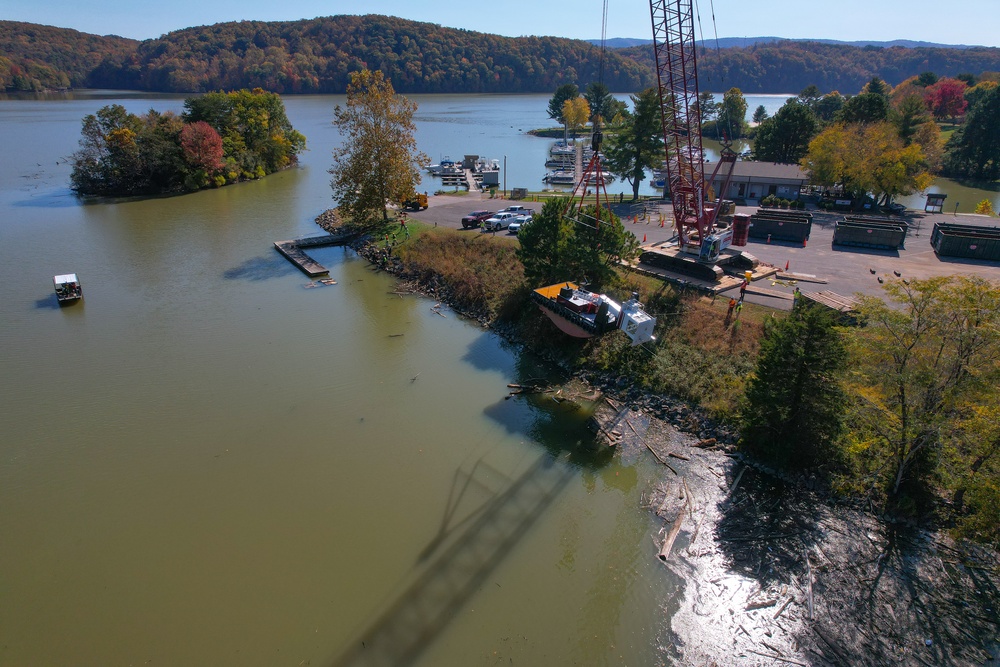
(206, 449)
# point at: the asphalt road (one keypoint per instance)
(847, 270)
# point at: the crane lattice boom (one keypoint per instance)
(677, 79)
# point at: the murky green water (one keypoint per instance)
(207, 463)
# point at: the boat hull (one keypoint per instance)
(565, 325)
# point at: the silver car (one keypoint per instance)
(521, 221)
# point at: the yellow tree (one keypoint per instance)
(378, 161)
(985, 207)
(867, 159)
(920, 362)
(575, 112)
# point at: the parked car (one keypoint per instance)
(501, 220)
(519, 222)
(518, 209)
(475, 218)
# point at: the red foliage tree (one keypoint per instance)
(946, 98)
(202, 146)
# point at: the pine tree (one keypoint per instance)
(792, 413)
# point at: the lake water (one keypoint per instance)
(206, 463)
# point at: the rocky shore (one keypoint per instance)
(775, 571)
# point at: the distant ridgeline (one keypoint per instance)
(221, 138)
(308, 56)
(789, 66)
(317, 56)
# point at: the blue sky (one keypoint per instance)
(955, 22)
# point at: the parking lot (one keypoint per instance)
(847, 270)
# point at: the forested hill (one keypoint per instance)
(790, 66)
(36, 57)
(317, 56)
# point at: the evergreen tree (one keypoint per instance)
(973, 151)
(792, 414)
(785, 137)
(732, 121)
(602, 103)
(378, 160)
(637, 143)
(828, 106)
(864, 108)
(567, 243)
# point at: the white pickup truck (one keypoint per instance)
(499, 221)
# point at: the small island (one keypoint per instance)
(221, 138)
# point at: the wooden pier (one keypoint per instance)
(292, 250)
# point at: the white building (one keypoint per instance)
(752, 181)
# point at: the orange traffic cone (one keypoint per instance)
(643, 238)
(803, 243)
(786, 266)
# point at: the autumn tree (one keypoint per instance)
(946, 99)
(785, 137)
(921, 362)
(928, 137)
(636, 144)
(575, 114)
(793, 410)
(257, 137)
(378, 162)
(977, 92)
(984, 207)
(867, 159)
(108, 160)
(971, 471)
(567, 91)
(202, 148)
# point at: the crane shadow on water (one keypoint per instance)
(450, 578)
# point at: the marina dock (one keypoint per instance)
(292, 250)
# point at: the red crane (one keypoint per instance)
(677, 79)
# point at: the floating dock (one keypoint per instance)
(292, 250)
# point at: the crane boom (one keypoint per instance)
(677, 82)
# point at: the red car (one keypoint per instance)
(475, 218)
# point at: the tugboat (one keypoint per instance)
(68, 288)
(584, 314)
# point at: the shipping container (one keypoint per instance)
(966, 241)
(869, 235)
(779, 230)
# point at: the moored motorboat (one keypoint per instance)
(68, 288)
